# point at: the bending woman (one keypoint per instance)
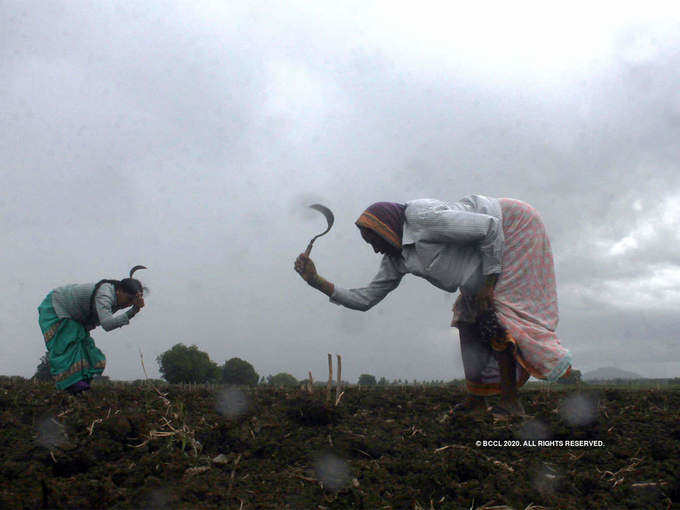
(497, 252)
(69, 313)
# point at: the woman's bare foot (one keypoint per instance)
(471, 404)
(508, 407)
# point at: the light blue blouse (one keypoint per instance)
(451, 245)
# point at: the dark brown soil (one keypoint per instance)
(123, 446)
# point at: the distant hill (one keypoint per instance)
(609, 373)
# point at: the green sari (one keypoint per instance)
(71, 351)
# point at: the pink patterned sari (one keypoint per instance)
(525, 297)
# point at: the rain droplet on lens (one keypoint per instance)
(232, 403)
(332, 471)
(578, 410)
(546, 478)
(534, 430)
(51, 433)
(157, 499)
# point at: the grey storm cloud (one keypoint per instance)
(191, 137)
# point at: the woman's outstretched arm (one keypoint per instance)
(364, 298)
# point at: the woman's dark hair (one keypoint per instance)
(129, 285)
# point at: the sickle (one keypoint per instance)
(135, 269)
(329, 218)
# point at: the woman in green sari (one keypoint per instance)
(69, 313)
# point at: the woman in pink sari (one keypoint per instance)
(497, 253)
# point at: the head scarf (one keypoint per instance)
(385, 219)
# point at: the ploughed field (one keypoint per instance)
(129, 446)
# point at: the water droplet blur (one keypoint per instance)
(578, 410)
(51, 433)
(232, 402)
(534, 430)
(332, 471)
(546, 478)
(157, 499)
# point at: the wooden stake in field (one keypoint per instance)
(330, 377)
(338, 389)
(329, 385)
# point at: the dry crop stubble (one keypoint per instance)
(388, 448)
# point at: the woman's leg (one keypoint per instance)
(71, 352)
(476, 357)
(489, 372)
(509, 400)
(73, 355)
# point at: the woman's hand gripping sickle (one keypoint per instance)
(305, 267)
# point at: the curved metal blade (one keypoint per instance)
(329, 218)
(136, 268)
(327, 213)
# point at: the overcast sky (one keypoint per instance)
(191, 136)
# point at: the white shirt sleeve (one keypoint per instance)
(103, 302)
(440, 223)
(386, 280)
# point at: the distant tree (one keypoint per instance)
(367, 380)
(42, 372)
(383, 382)
(282, 379)
(573, 377)
(183, 364)
(238, 371)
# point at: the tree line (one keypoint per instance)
(188, 364)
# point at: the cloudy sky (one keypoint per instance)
(191, 136)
